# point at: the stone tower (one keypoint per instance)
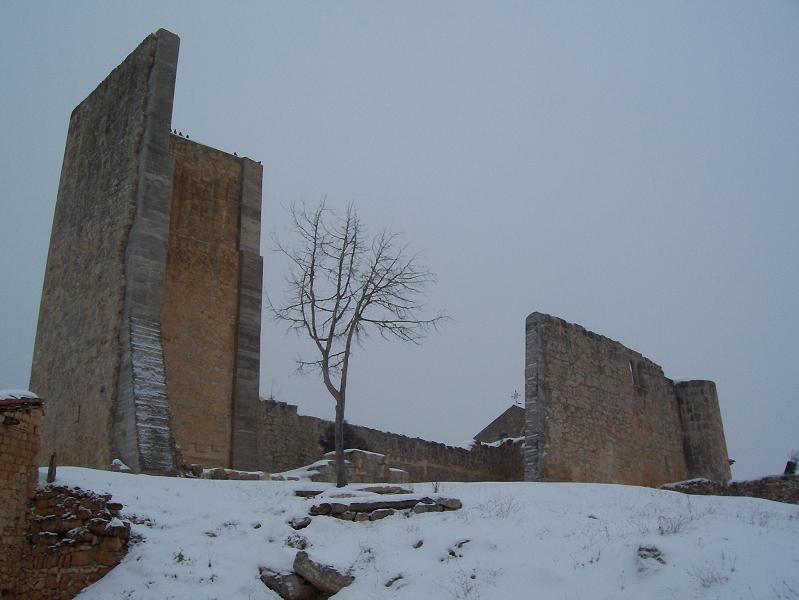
(149, 326)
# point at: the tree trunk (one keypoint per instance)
(341, 473)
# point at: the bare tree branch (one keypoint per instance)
(341, 286)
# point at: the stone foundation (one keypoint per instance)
(780, 488)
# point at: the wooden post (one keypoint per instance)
(51, 469)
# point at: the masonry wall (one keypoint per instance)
(19, 446)
(201, 299)
(597, 411)
(288, 440)
(149, 327)
(703, 433)
(75, 538)
(97, 352)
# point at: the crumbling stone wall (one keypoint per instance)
(780, 488)
(75, 538)
(19, 447)
(77, 354)
(119, 271)
(600, 412)
(288, 440)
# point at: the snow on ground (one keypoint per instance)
(206, 539)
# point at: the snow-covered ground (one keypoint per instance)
(206, 539)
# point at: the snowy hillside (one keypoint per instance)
(206, 540)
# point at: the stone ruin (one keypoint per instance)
(149, 331)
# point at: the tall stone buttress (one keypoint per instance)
(149, 327)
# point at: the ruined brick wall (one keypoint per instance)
(76, 538)
(600, 412)
(510, 424)
(288, 440)
(703, 433)
(19, 447)
(201, 300)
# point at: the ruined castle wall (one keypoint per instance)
(19, 446)
(703, 433)
(201, 299)
(77, 353)
(596, 410)
(288, 440)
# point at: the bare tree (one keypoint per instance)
(344, 284)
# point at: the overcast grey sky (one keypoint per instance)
(629, 166)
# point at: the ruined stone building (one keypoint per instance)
(149, 324)
(148, 340)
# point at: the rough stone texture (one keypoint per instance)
(597, 411)
(81, 327)
(75, 538)
(287, 440)
(780, 488)
(290, 586)
(201, 300)
(150, 316)
(19, 446)
(703, 433)
(510, 424)
(323, 577)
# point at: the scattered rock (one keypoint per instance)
(299, 523)
(381, 513)
(646, 556)
(424, 508)
(449, 503)
(386, 489)
(323, 577)
(297, 541)
(289, 586)
(418, 544)
(453, 550)
(393, 580)
(307, 493)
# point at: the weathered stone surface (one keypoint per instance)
(300, 523)
(780, 488)
(19, 446)
(289, 586)
(153, 277)
(597, 411)
(426, 508)
(288, 440)
(386, 489)
(381, 513)
(449, 503)
(322, 577)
